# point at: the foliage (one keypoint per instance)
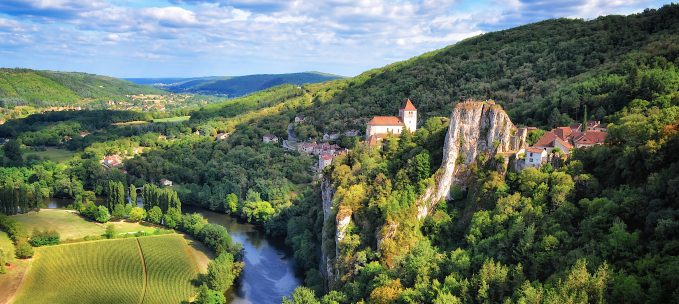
(209, 296)
(155, 215)
(222, 272)
(137, 214)
(44, 238)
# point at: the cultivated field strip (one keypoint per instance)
(171, 268)
(92, 272)
(112, 271)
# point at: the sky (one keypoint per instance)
(187, 38)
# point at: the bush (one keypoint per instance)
(110, 231)
(155, 215)
(102, 215)
(44, 238)
(23, 250)
(208, 296)
(137, 214)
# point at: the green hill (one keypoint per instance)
(533, 71)
(233, 86)
(49, 88)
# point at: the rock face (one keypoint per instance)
(327, 263)
(475, 128)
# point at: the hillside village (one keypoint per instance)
(551, 146)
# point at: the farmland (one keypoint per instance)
(155, 269)
(172, 119)
(54, 154)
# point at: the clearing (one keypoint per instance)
(72, 226)
(152, 269)
(54, 154)
(172, 119)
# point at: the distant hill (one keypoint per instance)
(233, 86)
(50, 88)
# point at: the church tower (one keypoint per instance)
(408, 114)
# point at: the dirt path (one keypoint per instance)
(146, 273)
(13, 280)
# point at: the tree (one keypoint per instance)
(133, 195)
(137, 214)
(155, 215)
(119, 211)
(222, 272)
(102, 215)
(302, 295)
(12, 150)
(231, 203)
(172, 217)
(209, 296)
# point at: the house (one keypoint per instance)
(269, 138)
(589, 138)
(331, 136)
(380, 126)
(535, 156)
(222, 136)
(300, 119)
(112, 161)
(166, 182)
(551, 140)
(84, 133)
(351, 133)
(324, 160)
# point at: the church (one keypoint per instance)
(381, 126)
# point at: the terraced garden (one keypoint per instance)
(154, 269)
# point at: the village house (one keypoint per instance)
(166, 182)
(324, 160)
(299, 119)
(222, 136)
(565, 139)
(269, 138)
(381, 126)
(330, 136)
(112, 161)
(535, 156)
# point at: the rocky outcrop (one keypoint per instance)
(475, 128)
(327, 261)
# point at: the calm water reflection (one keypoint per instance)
(269, 272)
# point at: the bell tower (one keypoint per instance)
(408, 114)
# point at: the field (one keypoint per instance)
(54, 154)
(153, 269)
(172, 119)
(71, 226)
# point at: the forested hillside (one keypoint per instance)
(543, 73)
(49, 88)
(233, 86)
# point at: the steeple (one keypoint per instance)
(408, 114)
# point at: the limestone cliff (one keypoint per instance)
(475, 128)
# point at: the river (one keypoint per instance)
(269, 272)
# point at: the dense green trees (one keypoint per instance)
(222, 272)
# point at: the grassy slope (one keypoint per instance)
(54, 154)
(72, 226)
(41, 88)
(111, 271)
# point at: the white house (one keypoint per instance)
(535, 156)
(270, 138)
(380, 126)
(166, 182)
(324, 160)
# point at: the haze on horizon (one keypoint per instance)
(184, 38)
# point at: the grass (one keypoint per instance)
(54, 154)
(172, 119)
(154, 269)
(72, 226)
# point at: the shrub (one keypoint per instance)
(155, 215)
(102, 215)
(137, 214)
(23, 250)
(110, 231)
(44, 238)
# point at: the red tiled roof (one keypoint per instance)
(534, 149)
(385, 121)
(591, 138)
(563, 132)
(326, 156)
(408, 106)
(548, 139)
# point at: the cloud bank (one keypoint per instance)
(234, 37)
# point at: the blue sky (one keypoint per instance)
(165, 38)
